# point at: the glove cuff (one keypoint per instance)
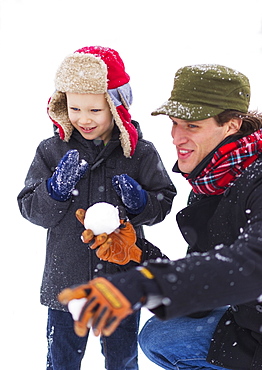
(136, 284)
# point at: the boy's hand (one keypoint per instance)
(67, 174)
(131, 193)
(118, 247)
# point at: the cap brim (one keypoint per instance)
(187, 111)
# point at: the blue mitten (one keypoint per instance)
(67, 174)
(131, 193)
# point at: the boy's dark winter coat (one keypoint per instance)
(68, 260)
(228, 230)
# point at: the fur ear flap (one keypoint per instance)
(57, 111)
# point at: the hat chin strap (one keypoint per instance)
(122, 95)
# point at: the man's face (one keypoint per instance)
(195, 140)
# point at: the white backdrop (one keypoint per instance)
(154, 38)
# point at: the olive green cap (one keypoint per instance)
(205, 90)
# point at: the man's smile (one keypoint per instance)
(183, 153)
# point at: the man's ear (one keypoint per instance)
(234, 125)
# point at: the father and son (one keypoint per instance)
(208, 305)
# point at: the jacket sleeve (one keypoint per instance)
(34, 202)
(154, 178)
(149, 250)
(227, 274)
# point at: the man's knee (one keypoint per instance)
(148, 336)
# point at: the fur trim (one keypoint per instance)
(57, 110)
(83, 74)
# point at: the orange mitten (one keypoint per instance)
(120, 246)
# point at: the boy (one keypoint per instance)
(98, 156)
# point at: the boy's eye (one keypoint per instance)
(96, 110)
(74, 109)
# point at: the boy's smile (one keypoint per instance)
(90, 115)
(87, 129)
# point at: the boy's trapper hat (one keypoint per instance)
(94, 70)
(205, 90)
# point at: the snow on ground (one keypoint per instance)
(154, 39)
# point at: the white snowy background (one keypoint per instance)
(154, 38)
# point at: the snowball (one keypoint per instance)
(102, 218)
(75, 307)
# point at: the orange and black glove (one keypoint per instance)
(103, 310)
(118, 247)
(103, 303)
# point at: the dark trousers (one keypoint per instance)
(66, 350)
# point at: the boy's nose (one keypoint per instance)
(85, 119)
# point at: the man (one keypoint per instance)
(211, 298)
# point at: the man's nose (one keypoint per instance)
(178, 134)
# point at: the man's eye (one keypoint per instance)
(192, 126)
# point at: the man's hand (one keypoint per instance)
(104, 308)
(103, 303)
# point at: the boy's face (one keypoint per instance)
(195, 140)
(90, 115)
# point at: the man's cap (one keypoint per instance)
(205, 90)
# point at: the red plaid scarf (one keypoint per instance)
(228, 162)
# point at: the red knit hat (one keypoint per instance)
(95, 70)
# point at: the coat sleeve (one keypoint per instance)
(34, 202)
(149, 250)
(154, 178)
(227, 274)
